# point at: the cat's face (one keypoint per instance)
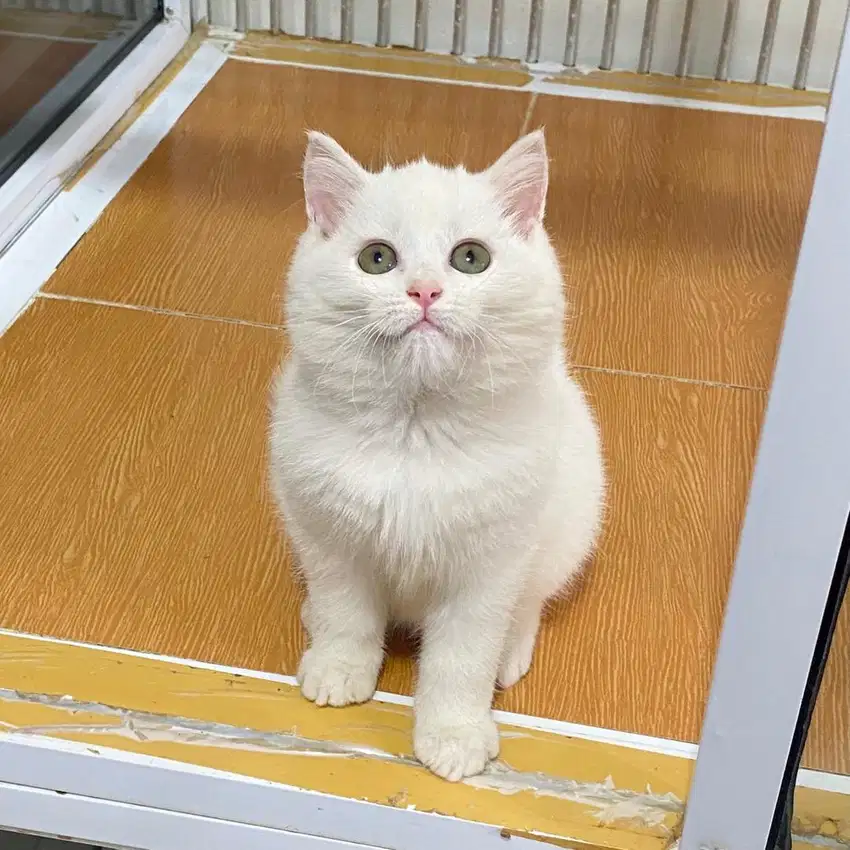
(422, 275)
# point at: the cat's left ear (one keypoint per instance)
(521, 176)
(332, 179)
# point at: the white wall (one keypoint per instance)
(707, 27)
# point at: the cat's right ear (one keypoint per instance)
(521, 176)
(332, 179)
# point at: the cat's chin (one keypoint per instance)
(425, 336)
(424, 327)
(427, 353)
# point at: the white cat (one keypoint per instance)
(434, 462)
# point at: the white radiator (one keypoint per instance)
(780, 42)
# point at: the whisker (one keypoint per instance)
(503, 346)
(373, 328)
(376, 338)
(489, 365)
(332, 359)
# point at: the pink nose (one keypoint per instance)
(425, 292)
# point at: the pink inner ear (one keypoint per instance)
(521, 176)
(332, 180)
(527, 203)
(324, 209)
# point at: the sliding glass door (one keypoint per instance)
(52, 55)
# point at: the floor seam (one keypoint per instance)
(160, 311)
(701, 382)
(549, 86)
(228, 320)
(526, 123)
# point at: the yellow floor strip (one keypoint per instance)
(545, 784)
(565, 791)
(502, 72)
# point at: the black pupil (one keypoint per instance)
(378, 257)
(470, 256)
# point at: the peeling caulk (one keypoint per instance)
(544, 67)
(818, 842)
(547, 69)
(145, 726)
(613, 805)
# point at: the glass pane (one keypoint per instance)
(828, 744)
(51, 58)
(821, 814)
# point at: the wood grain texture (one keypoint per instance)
(678, 231)
(134, 506)
(29, 69)
(678, 228)
(135, 513)
(212, 217)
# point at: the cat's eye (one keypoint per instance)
(470, 258)
(377, 258)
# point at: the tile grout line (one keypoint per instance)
(227, 320)
(540, 85)
(528, 113)
(700, 382)
(160, 311)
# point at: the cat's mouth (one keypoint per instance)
(423, 326)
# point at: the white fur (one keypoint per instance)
(453, 480)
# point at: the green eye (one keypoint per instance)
(377, 258)
(470, 258)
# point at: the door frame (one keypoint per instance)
(793, 528)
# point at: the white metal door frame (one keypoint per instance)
(793, 529)
(105, 796)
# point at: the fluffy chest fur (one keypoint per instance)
(417, 490)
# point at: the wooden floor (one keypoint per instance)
(134, 510)
(29, 69)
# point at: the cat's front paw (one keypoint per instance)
(454, 750)
(338, 676)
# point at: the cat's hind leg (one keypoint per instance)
(521, 639)
(551, 577)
